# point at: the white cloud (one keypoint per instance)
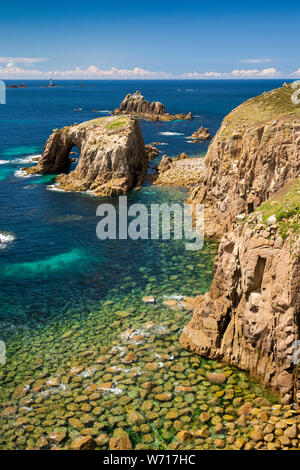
(251, 73)
(21, 60)
(297, 72)
(255, 73)
(202, 75)
(256, 61)
(13, 71)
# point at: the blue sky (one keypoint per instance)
(156, 39)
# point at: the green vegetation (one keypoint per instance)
(262, 108)
(118, 124)
(285, 205)
(109, 122)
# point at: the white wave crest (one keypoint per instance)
(29, 159)
(6, 238)
(55, 187)
(3, 162)
(21, 174)
(171, 133)
(174, 297)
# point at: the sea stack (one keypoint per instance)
(136, 105)
(112, 156)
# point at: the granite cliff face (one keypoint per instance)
(251, 315)
(250, 190)
(112, 156)
(254, 153)
(137, 105)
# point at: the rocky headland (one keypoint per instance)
(254, 153)
(136, 105)
(113, 158)
(250, 190)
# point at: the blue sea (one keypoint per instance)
(53, 262)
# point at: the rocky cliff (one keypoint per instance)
(254, 153)
(181, 171)
(251, 315)
(137, 105)
(250, 189)
(112, 156)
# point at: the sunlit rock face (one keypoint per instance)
(251, 315)
(255, 153)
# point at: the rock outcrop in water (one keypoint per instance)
(181, 171)
(201, 134)
(137, 105)
(112, 156)
(254, 153)
(251, 315)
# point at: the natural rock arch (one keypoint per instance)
(112, 156)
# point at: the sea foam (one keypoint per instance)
(22, 174)
(171, 133)
(6, 238)
(29, 159)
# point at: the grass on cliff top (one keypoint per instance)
(118, 124)
(113, 122)
(262, 108)
(285, 205)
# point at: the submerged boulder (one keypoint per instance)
(112, 156)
